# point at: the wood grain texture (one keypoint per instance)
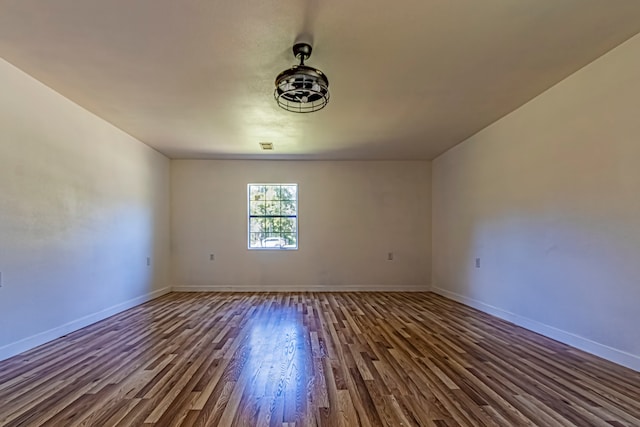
(312, 359)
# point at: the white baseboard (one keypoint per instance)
(28, 343)
(609, 353)
(302, 288)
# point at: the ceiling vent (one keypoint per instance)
(266, 146)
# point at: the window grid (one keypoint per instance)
(273, 216)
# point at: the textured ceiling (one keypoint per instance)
(408, 79)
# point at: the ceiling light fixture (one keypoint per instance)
(302, 89)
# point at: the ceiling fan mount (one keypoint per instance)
(302, 51)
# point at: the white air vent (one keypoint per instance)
(266, 146)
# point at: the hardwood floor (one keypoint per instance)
(326, 359)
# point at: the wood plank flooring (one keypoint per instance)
(312, 359)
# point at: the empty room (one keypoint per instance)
(320, 213)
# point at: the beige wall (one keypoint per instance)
(549, 199)
(82, 206)
(351, 214)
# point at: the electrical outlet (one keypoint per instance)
(390, 256)
(148, 260)
(212, 257)
(477, 262)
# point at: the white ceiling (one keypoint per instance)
(408, 79)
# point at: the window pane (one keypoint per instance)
(255, 240)
(257, 208)
(290, 239)
(257, 192)
(273, 240)
(288, 207)
(275, 225)
(272, 208)
(272, 193)
(288, 225)
(270, 225)
(256, 225)
(289, 192)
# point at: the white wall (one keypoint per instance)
(549, 199)
(82, 205)
(351, 214)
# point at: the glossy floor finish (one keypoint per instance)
(307, 359)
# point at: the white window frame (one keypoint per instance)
(250, 216)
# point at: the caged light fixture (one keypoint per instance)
(302, 89)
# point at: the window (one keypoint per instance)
(273, 216)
